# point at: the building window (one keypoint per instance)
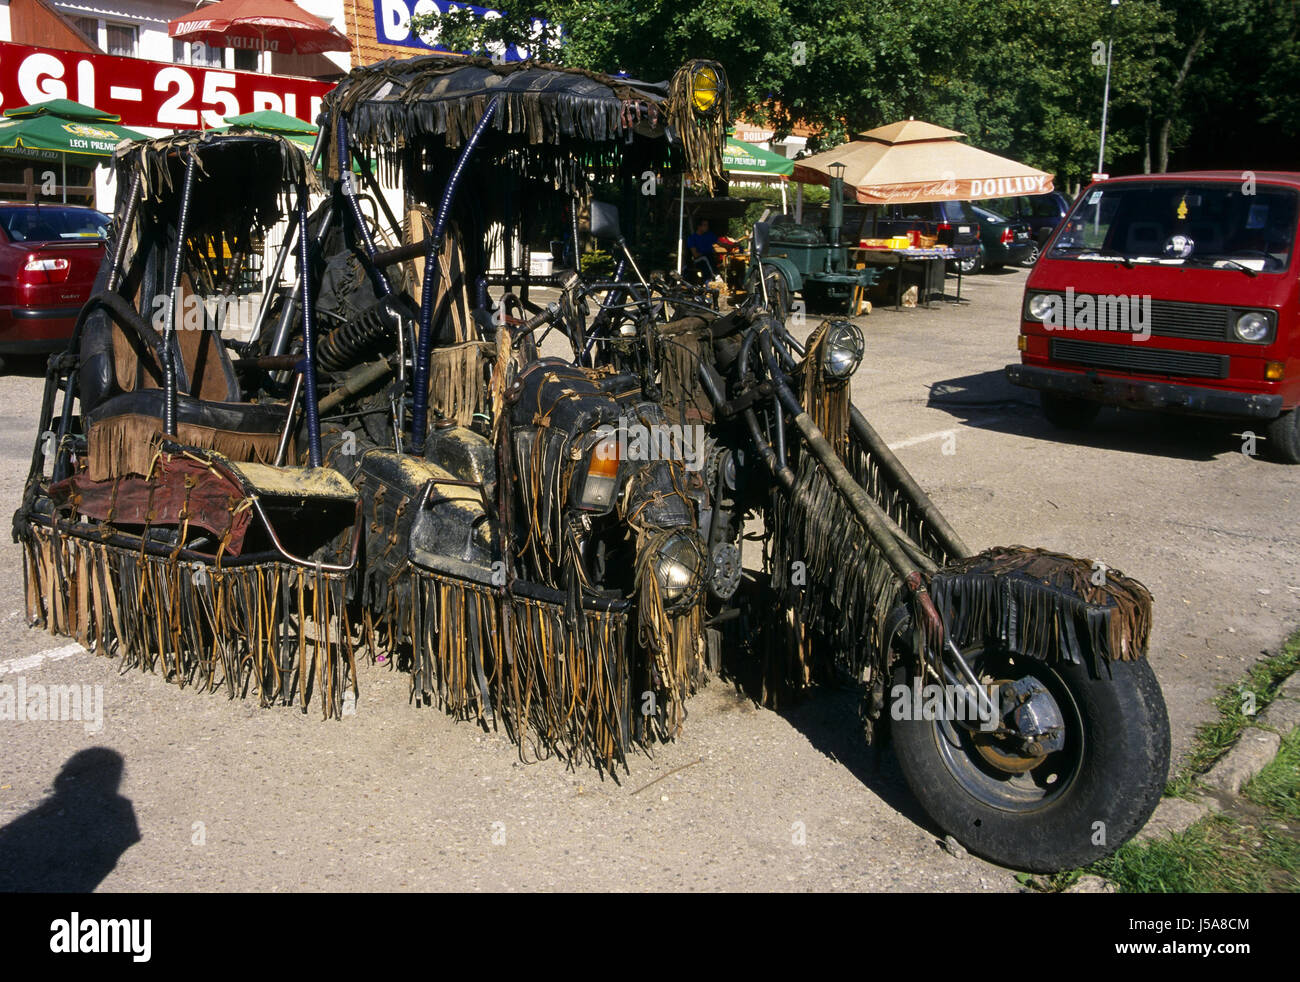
(88, 28)
(206, 54)
(120, 39)
(197, 53)
(245, 60)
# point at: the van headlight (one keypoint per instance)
(843, 350)
(679, 567)
(1252, 326)
(1040, 306)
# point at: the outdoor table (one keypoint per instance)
(917, 258)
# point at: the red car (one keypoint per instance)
(49, 257)
(1176, 293)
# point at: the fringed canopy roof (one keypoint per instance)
(548, 118)
(242, 180)
(244, 184)
(397, 101)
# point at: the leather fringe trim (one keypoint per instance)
(458, 380)
(827, 403)
(123, 445)
(848, 588)
(675, 643)
(559, 683)
(911, 518)
(1044, 605)
(279, 629)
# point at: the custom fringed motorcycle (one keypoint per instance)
(552, 547)
(1025, 715)
(166, 518)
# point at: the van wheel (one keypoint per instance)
(1284, 438)
(1031, 257)
(1068, 412)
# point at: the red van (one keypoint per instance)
(1172, 292)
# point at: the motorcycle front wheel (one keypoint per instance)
(1064, 809)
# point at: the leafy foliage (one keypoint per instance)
(1193, 82)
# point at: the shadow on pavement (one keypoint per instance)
(987, 401)
(828, 716)
(73, 839)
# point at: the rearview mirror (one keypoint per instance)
(604, 221)
(762, 232)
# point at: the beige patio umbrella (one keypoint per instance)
(913, 160)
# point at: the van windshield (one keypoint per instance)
(1215, 224)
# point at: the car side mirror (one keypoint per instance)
(762, 232)
(604, 221)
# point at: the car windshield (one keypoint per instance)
(1223, 224)
(47, 223)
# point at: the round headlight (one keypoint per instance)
(678, 566)
(1040, 306)
(1252, 327)
(705, 88)
(843, 350)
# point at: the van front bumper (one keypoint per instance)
(1131, 393)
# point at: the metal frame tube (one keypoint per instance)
(424, 341)
(310, 405)
(169, 326)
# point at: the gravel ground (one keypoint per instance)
(221, 795)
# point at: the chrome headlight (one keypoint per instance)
(679, 567)
(843, 350)
(1040, 306)
(1252, 326)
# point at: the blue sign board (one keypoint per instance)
(393, 24)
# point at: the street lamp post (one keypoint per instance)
(1105, 98)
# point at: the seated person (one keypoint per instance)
(701, 246)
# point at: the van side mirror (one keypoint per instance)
(762, 233)
(604, 222)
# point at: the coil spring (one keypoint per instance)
(350, 343)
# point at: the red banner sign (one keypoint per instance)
(150, 93)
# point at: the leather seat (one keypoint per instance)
(122, 398)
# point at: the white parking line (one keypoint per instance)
(29, 662)
(913, 441)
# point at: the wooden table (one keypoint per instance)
(922, 259)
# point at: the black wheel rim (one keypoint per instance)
(1037, 788)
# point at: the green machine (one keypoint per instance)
(812, 259)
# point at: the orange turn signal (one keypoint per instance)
(1274, 370)
(1022, 342)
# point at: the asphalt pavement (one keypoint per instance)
(220, 795)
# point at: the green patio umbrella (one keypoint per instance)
(748, 162)
(282, 124)
(60, 128)
(746, 159)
